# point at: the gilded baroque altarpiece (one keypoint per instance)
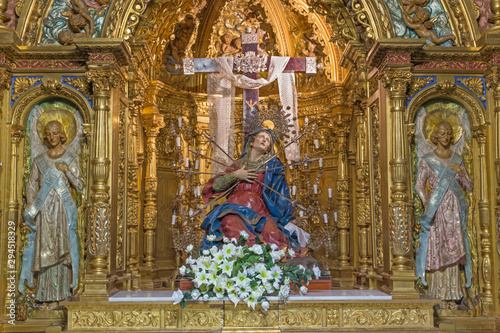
(116, 66)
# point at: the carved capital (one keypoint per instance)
(51, 87)
(17, 133)
(396, 82)
(493, 82)
(5, 79)
(446, 88)
(152, 124)
(479, 133)
(103, 80)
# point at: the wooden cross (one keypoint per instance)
(250, 58)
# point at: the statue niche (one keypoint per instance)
(444, 246)
(52, 250)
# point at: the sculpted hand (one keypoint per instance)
(300, 222)
(245, 175)
(455, 167)
(62, 167)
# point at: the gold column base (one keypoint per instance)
(343, 277)
(403, 285)
(96, 286)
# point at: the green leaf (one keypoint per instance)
(183, 303)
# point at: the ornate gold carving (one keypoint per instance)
(21, 84)
(384, 317)
(400, 217)
(81, 84)
(377, 186)
(201, 318)
(103, 79)
(124, 319)
(475, 84)
(250, 318)
(418, 83)
(99, 229)
(332, 317)
(300, 317)
(171, 318)
(396, 82)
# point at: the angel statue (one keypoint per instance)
(444, 246)
(51, 216)
(258, 202)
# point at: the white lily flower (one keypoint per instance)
(213, 250)
(276, 272)
(256, 248)
(225, 240)
(276, 255)
(227, 267)
(211, 238)
(206, 252)
(229, 250)
(189, 248)
(251, 301)
(274, 247)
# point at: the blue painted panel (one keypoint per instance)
(408, 100)
(12, 86)
(481, 97)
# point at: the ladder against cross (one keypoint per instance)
(250, 64)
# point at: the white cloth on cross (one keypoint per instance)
(221, 101)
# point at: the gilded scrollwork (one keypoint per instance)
(300, 317)
(417, 83)
(202, 319)
(81, 84)
(475, 84)
(400, 217)
(384, 317)
(116, 318)
(396, 81)
(21, 84)
(171, 318)
(332, 317)
(249, 318)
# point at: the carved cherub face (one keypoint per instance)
(76, 23)
(421, 15)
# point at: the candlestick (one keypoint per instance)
(294, 189)
(186, 163)
(321, 162)
(178, 141)
(325, 216)
(330, 192)
(335, 216)
(316, 143)
(306, 121)
(197, 164)
(174, 217)
(301, 213)
(198, 190)
(180, 121)
(191, 212)
(315, 188)
(181, 190)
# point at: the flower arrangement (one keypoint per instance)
(243, 273)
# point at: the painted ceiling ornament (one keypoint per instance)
(65, 117)
(436, 116)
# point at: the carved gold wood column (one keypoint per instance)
(344, 272)
(133, 191)
(479, 133)
(153, 122)
(362, 185)
(17, 133)
(103, 79)
(403, 277)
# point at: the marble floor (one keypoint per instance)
(314, 295)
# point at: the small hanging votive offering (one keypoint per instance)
(320, 162)
(197, 164)
(335, 216)
(316, 143)
(315, 188)
(198, 190)
(191, 212)
(306, 121)
(301, 213)
(325, 216)
(180, 121)
(186, 162)
(181, 190)
(174, 217)
(294, 189)
(178, 141)
(330, 192)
